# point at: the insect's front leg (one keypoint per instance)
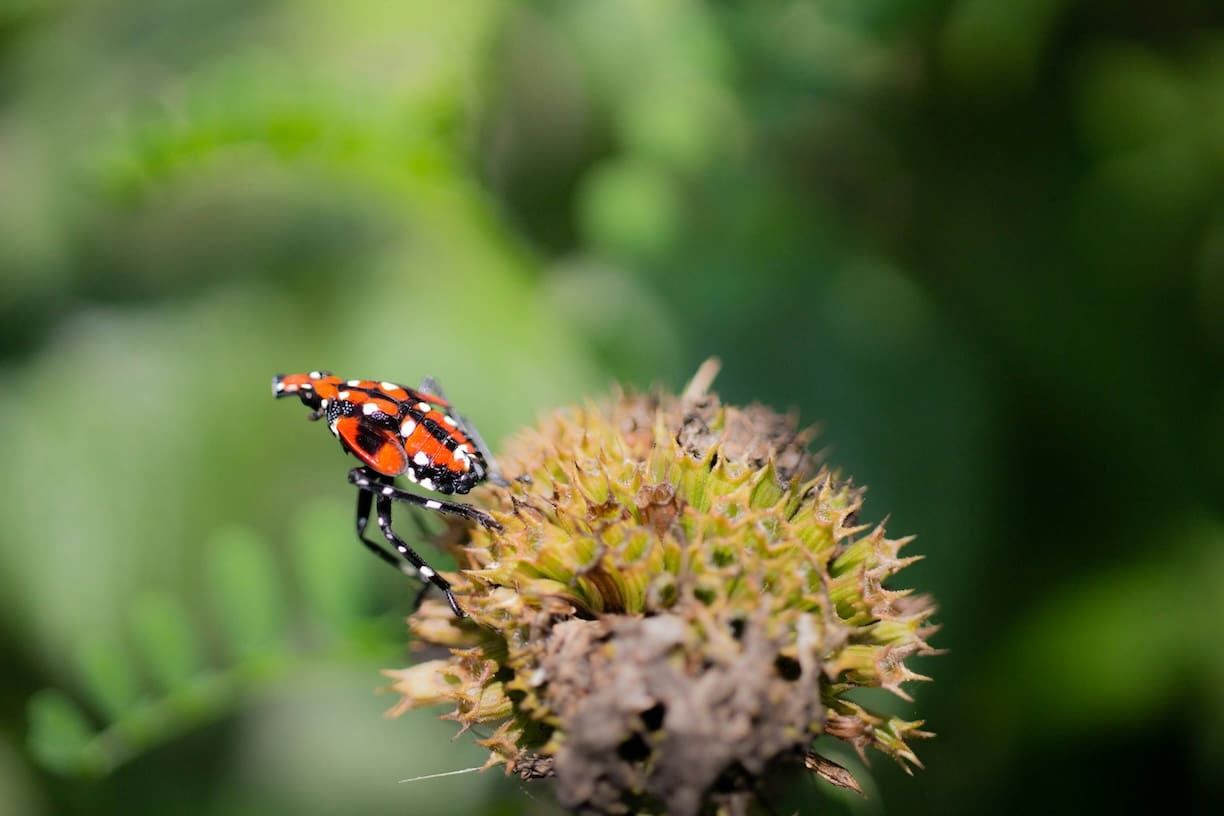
(361, 478)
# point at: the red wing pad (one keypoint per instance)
(437, 454)
(379, 448)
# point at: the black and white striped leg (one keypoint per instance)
(431, 386)
(365, 503)
(367, 480)
(383, 507)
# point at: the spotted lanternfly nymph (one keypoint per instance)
(398, 431)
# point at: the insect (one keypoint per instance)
(398, 431)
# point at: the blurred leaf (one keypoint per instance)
(199, 700)
(685, 127)
(167, 640)
(997, 47)
(59, 731)
(1099, 654)
(1129, 98)
(621, 317)
(330, 563)
(246, 590)
(106, 671)
(630, 208)
(1105, 653)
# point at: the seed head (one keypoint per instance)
(678, 603)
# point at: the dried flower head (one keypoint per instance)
(678, 603)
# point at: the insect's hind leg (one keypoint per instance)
(413, 564)
(493, 473)
(365, 503)
(428, 573)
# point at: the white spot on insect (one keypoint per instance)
(362, 482)
(324, 402)
(306, 387)
(450, 420)
(424, 407)
(388, 490)
(408, 426)
(427, 484)
(332, 425)
(370, 408)
(314, 375)
(433, 505)
(353, 382)
(421, 459)
(344, 395)
(280, 386)
(411, 474)
(386, 386)
(426, 572)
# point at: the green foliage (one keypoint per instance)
(630, 209)
(330, 586)
(246, 592)
(113, 686)
(1110, 639)
(253, 629)
(981, 243)
(60, 733)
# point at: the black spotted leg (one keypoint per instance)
(493, 473)
(365, 503)
(366, 480)
(383, 506)
(415, 565)
(374, 487)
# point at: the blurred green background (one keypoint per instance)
(980, 242)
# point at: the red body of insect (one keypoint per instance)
(399, 431)
(394, 430)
